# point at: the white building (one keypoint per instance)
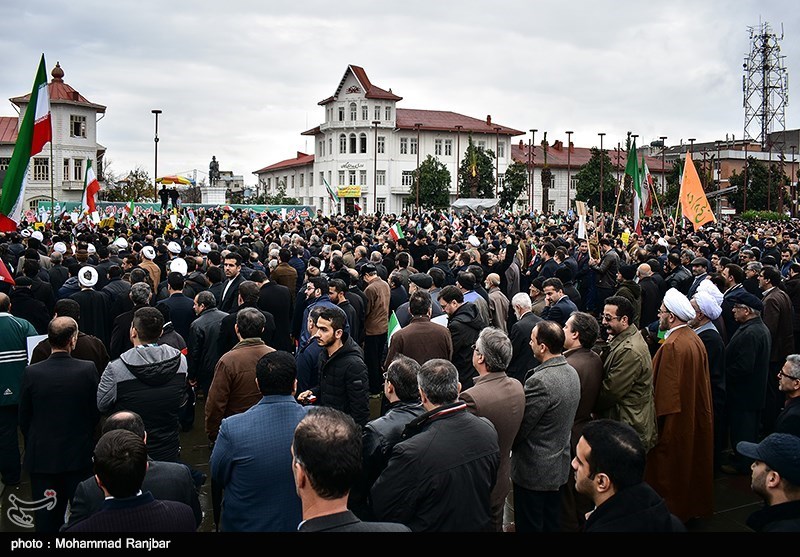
(367, 149)
(74, 121)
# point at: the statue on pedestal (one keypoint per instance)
(213, 171)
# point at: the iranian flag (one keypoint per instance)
(34, 132)
(394, 326)
(90, 189)
(647, 187)
(334, 197)
(632, 170)
(130, 206)
(396, 232)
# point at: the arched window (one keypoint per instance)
(353, 111)
(362, 143)
(352, 143)
(342, 143)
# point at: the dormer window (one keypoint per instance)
(353, 111)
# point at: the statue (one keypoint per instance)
(213, 171)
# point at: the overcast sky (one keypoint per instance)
(241, 79)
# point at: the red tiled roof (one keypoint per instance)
(61, 92)
(8, 129)
(441, 120)
(300, 160)
(557, 157)
(370, 91)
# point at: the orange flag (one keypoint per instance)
(693, 200)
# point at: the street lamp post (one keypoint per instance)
(417, 126)
(663, 139)
(375, 170)
(793, 187)
(532, 154)
(155, 161)
(497, 161)
(458, 154)
(569, 164)
(602, 156)
(744, 193)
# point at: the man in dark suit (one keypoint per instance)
(522, 358)
(57, 416)
(169, 481)
(139, 296)
(246, 298)
(277, 300)
(326, 461)
(559, 307)
(651, 296)
(232, 265)
(120, 465)
(180, 307)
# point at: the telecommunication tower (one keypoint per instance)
(765, 85)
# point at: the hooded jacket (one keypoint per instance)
(465, 325)
(149, 380)
(637, 508)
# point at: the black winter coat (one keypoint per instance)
(747, 366)
(635, 509)
(465, 325)
(343, 381)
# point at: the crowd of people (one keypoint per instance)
(429, 372)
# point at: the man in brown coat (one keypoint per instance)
(420, 340)
(284, 273)
(681, 465)
(376, 324)
(500, 399)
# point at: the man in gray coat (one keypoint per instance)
(203, 341)
(540, 462)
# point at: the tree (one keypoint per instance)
(670, 199)
(137, 186)
(516, 181)
(280, 195)
(759, 179)
(588, 180)
(476, 174)
(434, 184)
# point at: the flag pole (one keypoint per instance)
(52, 196)
(658, 203)
(616, 207)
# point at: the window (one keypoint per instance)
(341, 114)
(381, 205)
(388, 113)
(341, 177)
(291, 184)
(352, 143)
(330, 177)
(342, 143)
(352, 174)
(501, 180)
(482, 145)
(362, 143)
(77, 169)
(310, 179)
(321, 177)
(448, 147)
(552, 181)
(381, 144)
(408, 178)
(302, 180)
(321, 203)
(330, 145)
(551, 206)
(437, 147)
(66, 170)
(77, 126)
(41, 169)
(362, 177)
(403, 145)
(269, 183)
(353, 111)
(377, 112)
(321, 148)
(381, 178)
(573, 182)
(413, 145)
(364, 112)
(4, 162)
(501, 149)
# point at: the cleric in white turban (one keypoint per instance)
(707, 304)
(711, 288)
(678, 304)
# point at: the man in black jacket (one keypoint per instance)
(248, 298)
(522, 358)
(277, 300)
(465, 325)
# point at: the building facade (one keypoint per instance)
(74, 119)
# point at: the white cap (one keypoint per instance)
(60, 247)
(37, 235)
(149, 252)
(26, 233)
(174, 247)
(87, 276)
(121, 243)
(178, 265)
(204, 247)
(474, 240)
(91, 249)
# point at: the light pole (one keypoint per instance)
(375, 170)
(458, 154)
(744, 193)
(155, 111)
(532, 155)
(497, 161)
(417, 126)
(569, 164)
(793, 187)
(602, 156)
(663, 139)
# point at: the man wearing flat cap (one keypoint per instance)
(699, 267)
(746, 374)
(776, 479)
(417, 281)
(680, 466)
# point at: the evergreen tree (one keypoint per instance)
(588, 181)
(516, 181)
(476, 174)
(758, 179)
(434, 184)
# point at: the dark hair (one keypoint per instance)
(138, 275)
(67, 307)
(395, 280)
(466, 280)
(402, 374)
(120, 461)
(338, 284)
(320, 283)
(114, 271)
(437, 275)
(251, 322)
(551, 335)
(616, 451)
(258, 276)
(60, 331)
(175, 281)
(30, 267)
(127, 420)
(674, 259)
(624, 307)
(235, 256)
(549, 249)
(403, 259)
(477, 272)
(335, 315)
(206, 299)
(587, 328)
(419, 303)
(215, 257)
(284, 255)
(451, 293)
(440, 254)
(249, 290)
(735, 272)
(327, 445)
(772, 275)
(276, 373)
(564, 274)
(148, 322)
(555, 283)
(214, 274)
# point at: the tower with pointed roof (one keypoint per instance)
(74, 120)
